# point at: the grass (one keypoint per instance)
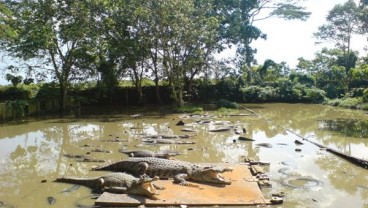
(188, 108)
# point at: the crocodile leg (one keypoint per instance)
(158, 187)
(117, 190)
(142, 168)
(180, 179)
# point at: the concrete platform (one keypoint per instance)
(243, 191)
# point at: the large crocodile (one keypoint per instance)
(147, 153)
(116, 183)
(164, 169)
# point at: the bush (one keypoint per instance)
(334, 102)
(365, 95)
(13, 93)
(189, 109)
(257, 93)
(48, 91)
(350, 102)
(314, 95)
(227, 104)
(363, 106)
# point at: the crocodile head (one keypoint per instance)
(209, 175)
(145, 187)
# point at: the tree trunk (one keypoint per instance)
(140, 95)
(63, 97)
(158, 95)
(180, 100)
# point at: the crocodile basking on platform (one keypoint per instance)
(164, 169)
(117, 183)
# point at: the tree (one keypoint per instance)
(15, 80)
(54, 31)
(238, 18)
(186, 33)
(342, 23)
(6, 16)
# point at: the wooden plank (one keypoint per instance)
(244, 190)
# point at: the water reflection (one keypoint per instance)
(346, 127)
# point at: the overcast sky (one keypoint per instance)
(289, 40)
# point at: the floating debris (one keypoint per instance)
(51, 200)
(267, 145)
(220, 129)
(101, 150)
(73, 156)
(243, 138)
(73, 188)
(167, 141)
(188, 130)
(297, 142)
(180, 123)
(86, 159)
(115, 140)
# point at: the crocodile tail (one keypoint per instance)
(105, 167)
(90, 182)
(116, 167)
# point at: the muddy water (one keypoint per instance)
(32, 153)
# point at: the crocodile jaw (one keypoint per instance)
(145, 187)
(218, 178)
(149, 190)
(210, 176)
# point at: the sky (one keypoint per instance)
(287, 40)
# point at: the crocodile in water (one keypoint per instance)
(146, 153)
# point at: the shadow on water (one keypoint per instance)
(346, 127)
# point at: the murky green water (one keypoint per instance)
(32, 152)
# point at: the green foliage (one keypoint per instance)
(314, 95)
(346, 102)
(17, 107)
(15, 80)
(342, 22)
(223, 103)
(227, 111)
(363, 106)
(359, 76)
(350, 102)
(13, 93)
(258, 94)
(305, 79)
(365, 95)
(228, 88)
(189, 109)
(48, 91)
(333, 102)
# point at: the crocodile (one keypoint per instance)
(165, 169)
(146, 153)
(116, 183)
(166, 141)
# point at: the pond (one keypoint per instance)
(34, 153)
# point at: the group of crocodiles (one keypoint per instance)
(136, 174)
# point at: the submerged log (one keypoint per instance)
(358, 161)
